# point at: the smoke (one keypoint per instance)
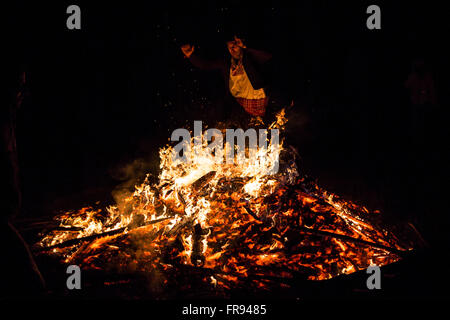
(129, 174)
(299, 126)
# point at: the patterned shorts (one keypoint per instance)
(255, 107)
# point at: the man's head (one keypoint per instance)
(234, 49)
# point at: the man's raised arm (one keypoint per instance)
(259, 55)
(188, 51)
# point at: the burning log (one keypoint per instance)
(197, 257)
(203, 181)
(347, 238)
(250, 212)
(186, 222)
(76, 241)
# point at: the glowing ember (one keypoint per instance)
(232, 222)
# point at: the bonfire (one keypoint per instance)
(226, 225)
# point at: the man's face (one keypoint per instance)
(235, 51)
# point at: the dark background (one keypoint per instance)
(110, 93)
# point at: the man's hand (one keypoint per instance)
(239, 42)
(187, 50)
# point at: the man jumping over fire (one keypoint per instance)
(242, 76)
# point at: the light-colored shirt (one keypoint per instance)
(240, 85)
